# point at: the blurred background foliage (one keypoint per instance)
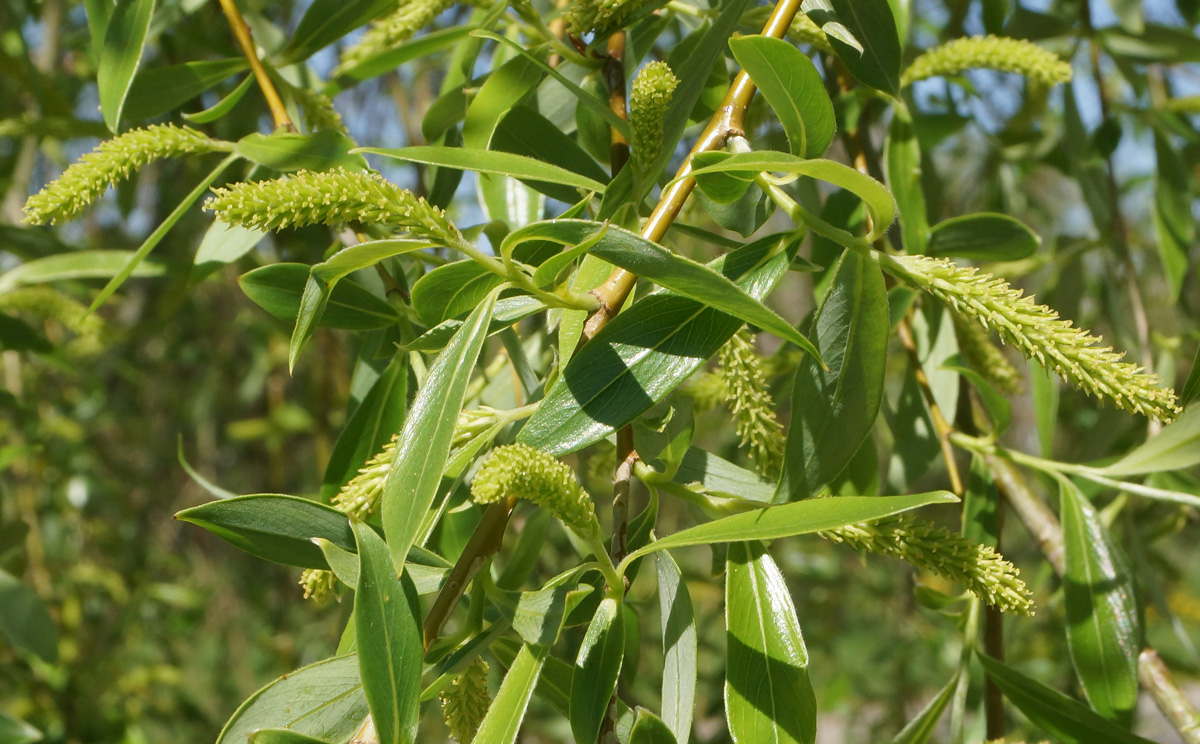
(153, 632)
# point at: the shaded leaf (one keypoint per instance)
(278, 289)
(124, 40)
(1174, 448)
(920, 729)
(325, 22)
(596, 670)
(983, 237)
(488, 161)
(162, 89)
(679, 650)
(288, 151)
(791, 84)
(24, 621)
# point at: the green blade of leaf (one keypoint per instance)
(325, 22)
(452, 290)
(24, 621)
(161, 89)
(124, 40)
(644, 353)
(876, 61)
(679, 650)
(276, 527)
(282, 736)
(1174, 448)
(508, 311)
(324, 700)
(1064, 718)
(488, 161)
(650, 729)
(920, 729)
(388, 628)
(222, 107)
(791, 84)
(902, 170)
(799, 518)
(15, 731)
(424, 444)
(983, 237)
(389, 59)
(221, 245)
(834, 411)
(768, 696)
(1104, 629)
(281, 289)
(597, 668)
(288, 151)
(100, 264)
(504, 717)
(374, 421)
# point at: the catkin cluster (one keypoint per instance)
(319, 112)
(991, 53)
(409, 18)
(527, 473)
(1039, 333)
(602, 17)
(745, 391)
(334, 197)
(983, 571)
(465, 701)
(114, 160)
(649, 97)
(50, 304)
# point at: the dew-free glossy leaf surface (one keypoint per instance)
(162, 89)
(678, 623)
(920, 729)
(596, 670)
(872, 25)
(791, 84)
(282, 736)
(1174, 448)
(388, 628)
(1104, 629)
(288, 151)
(325, 22)
(488, 161)
(983, 237)
(278, 289)
(504, 717)
(324, 700)
(768, 696)
(223, 244)
(452, 290)
(424, 443)
(377, 418)
(124, 40)
(650, 729)
(276, 527)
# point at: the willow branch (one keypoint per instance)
(241, 32)
(614, 77)
(941, 426)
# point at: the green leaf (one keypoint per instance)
(872, 25)
(124, 40)
(504, 717)
(24, 621)
(504, 88)
(644, 353)
(998, 407)
(1176, 447)
(278, 289)
(920, 729)
(508, 311)
(650, 729)
(875, 196)
(222, 107)
(834, 411)
(325, 22)
(722, 478)
(1104, 628)
(525, 132)
(288, 151)
(452, 290)
(324, 700)
(902, 170)
(282, 736)
(162, 89)
(223, 244)
(1191, 387)
(768, 696)
(679, 650)
(983, 237)
(791, 84)
(388, 628)
(17, 335)
(1173, 213)
(273, 526)
(390, 59)
(799, 518)
(14, 731)
(488, 161)
(597, 667)
(374, 421)
(1067, 720)
(538, 617)
(424, 444)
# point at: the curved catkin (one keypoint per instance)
(387, 32)
(465, 701)
(747, 395)
(983, 571)
(334, 197)
(86, 180)
(1037, 332)
(991, 53)
(527, 473)
(602, 17)
(649, 97)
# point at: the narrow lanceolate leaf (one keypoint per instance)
(324, 700)
(24, 621)
(902, 164)
(16, 731)
(791, 84)
(596, 670)
(872, 25)
(325, 22)
(424, 444)
(768, 696)
(1066, 720)
(282, 736)
(488, 161)
(288, 152)
(920, 729)
(1104, 629)
(833, 411)
(645, 352)
(679, 649)
(273, 526)
(1176, 447)
(799, 518)
(377, 418)
(388, 629)
(503, 719)
(124, 40)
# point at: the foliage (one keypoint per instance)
(477, 359)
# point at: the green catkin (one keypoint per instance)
(992, 53)
(983, 571)
(649, 97)
(806, 31)
(985, 357)
(360, 497)
(334, 197)
(746, 392)
(528, 473)
(114, 160)
(1039, 333)
(409, 18)
(465, 701)
(1183, 105)
(319, 112)
(602, 17)
(46, 303)
(318, 584)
